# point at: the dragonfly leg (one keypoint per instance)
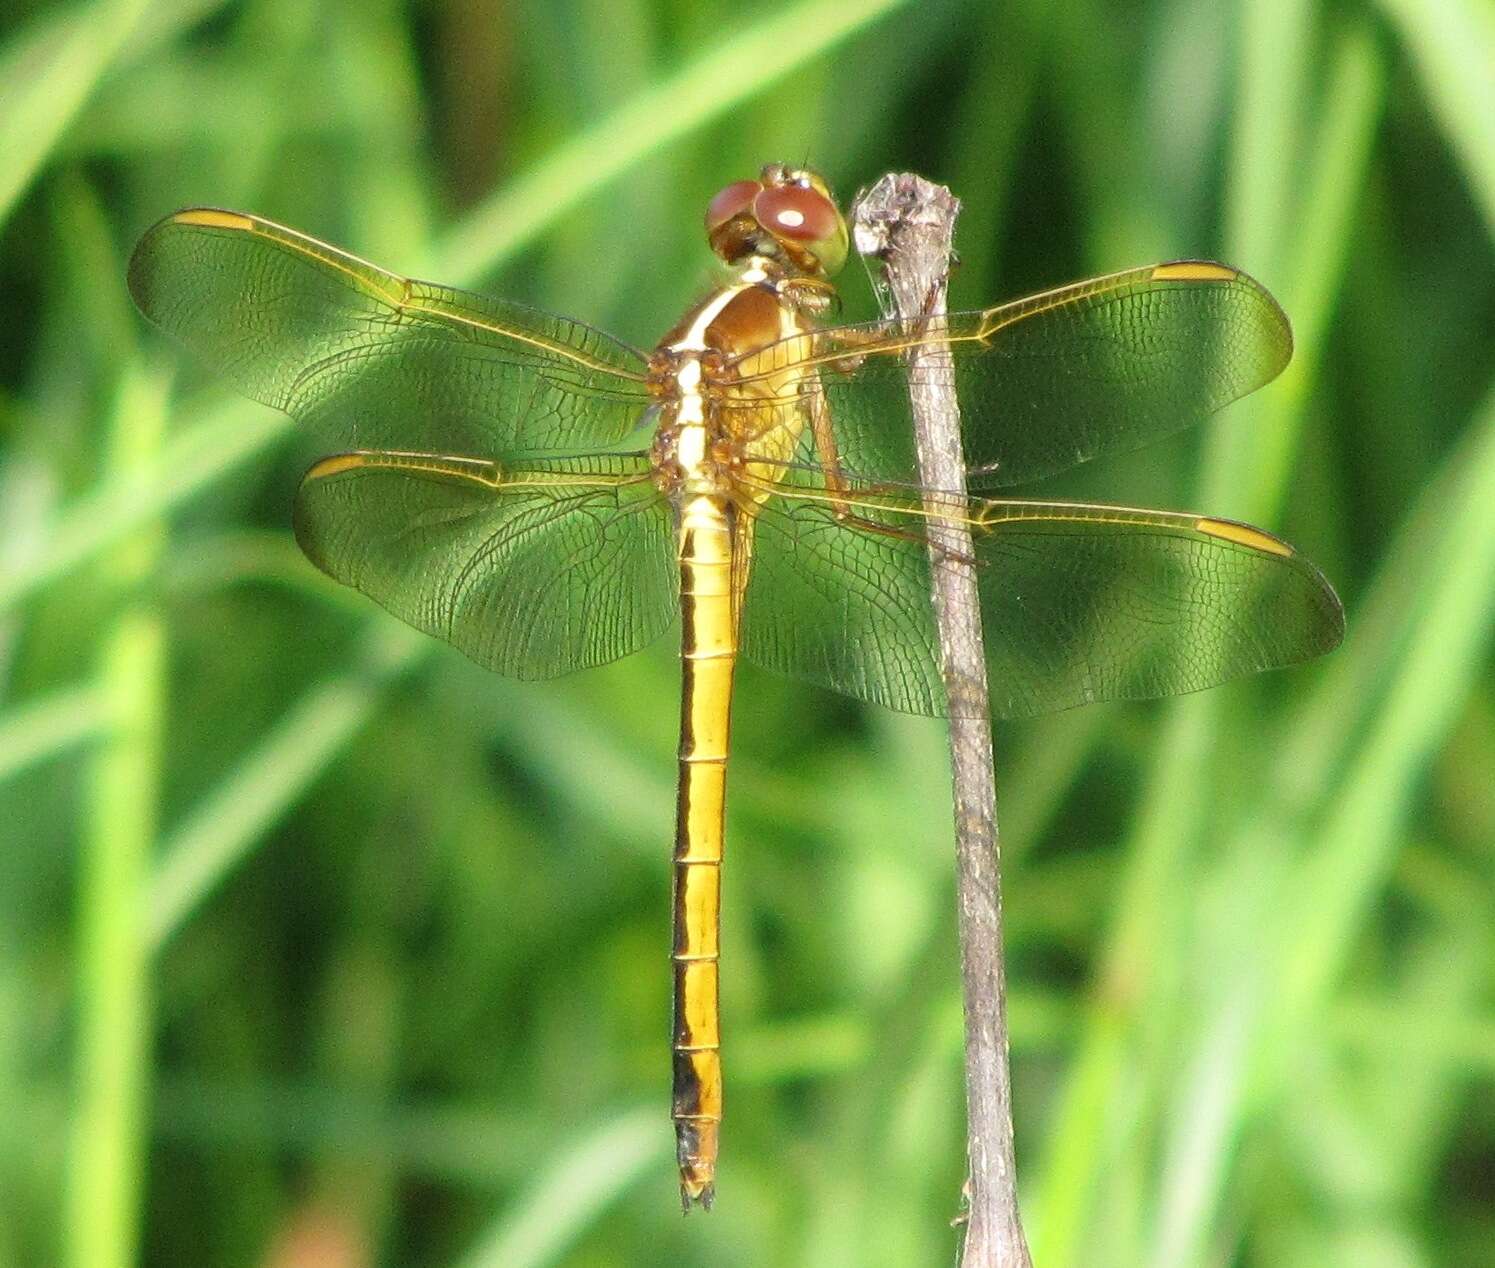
(825, 447)
(836, 485)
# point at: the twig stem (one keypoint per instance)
(908, 224)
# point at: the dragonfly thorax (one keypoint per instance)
(707, 405)
(692, 456)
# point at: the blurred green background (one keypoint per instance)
(320, 947)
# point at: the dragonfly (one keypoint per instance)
(545, 497)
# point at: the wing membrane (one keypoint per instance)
(1044, 383)
(844, 609)
(1086, 603)
(532, 571)
(1079, 602)
(375, 360)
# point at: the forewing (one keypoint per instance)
(531, 571)
(1097, 367)
(375, 360)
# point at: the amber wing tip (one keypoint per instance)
(211, 218)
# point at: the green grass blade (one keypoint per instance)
(201, 852)
(577, 1185)
(106, 1165)
(1345, 699)
(107, 1162)
(1266, 133)
(1389, 1027)
(46, 76)
(733, 70)
(1322, 904)
(1169, 822)
(123, 500)
(1452, 43)
(1322, 255)
(1444, 657)
(40, 729)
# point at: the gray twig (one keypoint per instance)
(908, 224)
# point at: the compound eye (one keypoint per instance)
(797, 213)
(735, 199)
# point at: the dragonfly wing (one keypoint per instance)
(1079, 603)
(1101, 366)
(531, 571)
(1082, 603)
(845, 609)
(376, 360)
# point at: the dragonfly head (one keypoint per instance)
(787, 215)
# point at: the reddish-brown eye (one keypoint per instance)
(732, 201)
(797, 213)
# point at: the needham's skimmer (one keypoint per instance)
(484, 489)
